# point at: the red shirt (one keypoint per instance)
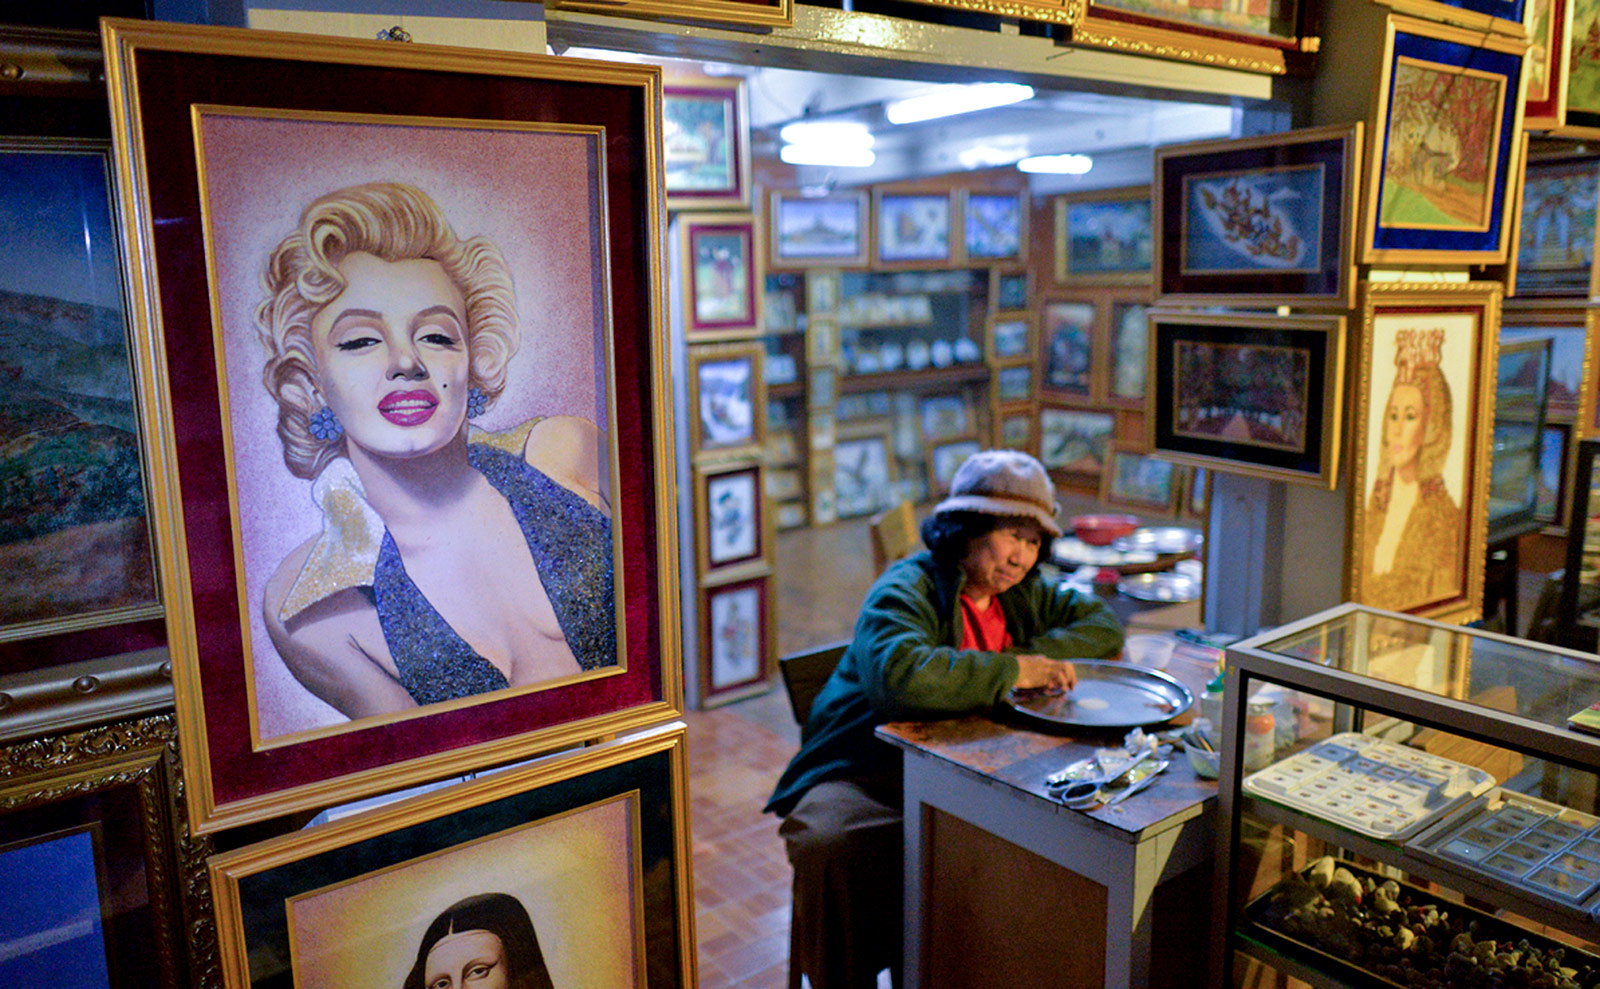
(985, 630)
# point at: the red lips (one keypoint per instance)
(408, 408)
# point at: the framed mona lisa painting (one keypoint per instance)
(391, 383)
(1420, 428)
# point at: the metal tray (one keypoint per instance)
(1108, 695)
(1167, 587)
(1167, 540)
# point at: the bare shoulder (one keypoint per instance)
(567, 450)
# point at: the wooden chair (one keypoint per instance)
(805, 672)
(894, 534)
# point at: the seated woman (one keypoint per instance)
(944, 632)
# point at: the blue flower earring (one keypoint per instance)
(477, 402)
(325, 425)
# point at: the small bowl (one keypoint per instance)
(1103, 530)
(1207, 765)
(1151, 651)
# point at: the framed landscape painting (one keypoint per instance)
(1067, 338)
(817, 231)
(1074, 444)
(1140, 482)
(341, 664)
(722, 291)
(1263, 220)
(1010, 338)
(1017, 430)
(75, 540)
(995, 225)
(1570, 358)
(1104, 237)
(1418, 526)
(578, 864)
(1446, 138)
(1250, 394)
(1556, 235)
(705, 134)
(912, 229)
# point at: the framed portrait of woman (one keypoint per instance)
(569, 870)
(721, 294)
(1421, 429)
(366, 337)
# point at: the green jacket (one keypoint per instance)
(905, 663)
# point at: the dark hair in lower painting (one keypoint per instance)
(502, 915)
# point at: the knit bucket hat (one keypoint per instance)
(1004, 482)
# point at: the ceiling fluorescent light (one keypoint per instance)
(988, 156)
(1056, 164)
(836, 133)
(951, 100)
(828, 155)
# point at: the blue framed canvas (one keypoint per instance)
(1104, 237)
(1502, 16)
(1444, 146)
(996, 225)
(1555, 242)
(1268, 220)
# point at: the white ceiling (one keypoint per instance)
(1117, 132)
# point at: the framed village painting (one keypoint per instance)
(817, 231)
(1074, 444)
(1260, 221)
(912, 229)
(1421, 428)
(1556, 232)
(705, 136)
(1443, 147)
(570, 870)
(738, 636)
(75, 541)
(1250, 394)
(1104, 237)
(722, 291)
(995, 226)
(353, 299)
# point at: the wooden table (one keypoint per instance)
(1006, 886)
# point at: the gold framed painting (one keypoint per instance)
(1017, 428)
(994, 226)
(913, 229)
(705, 134)
(733, 527)
(829, 231)
(1549, 27)
(734, 13)
(1009, 338)
(1139, 481)
(728, 399)
(1126, 313)
(738, 638)
(722, 277)
(335, 268)
(1421, 426)
(578, 863)
(1104, 237)
(1445, 141)
(1580, 95)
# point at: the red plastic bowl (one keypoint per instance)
(1103, 530)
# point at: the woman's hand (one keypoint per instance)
(1034, 671)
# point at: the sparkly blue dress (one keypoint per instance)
(570, 541)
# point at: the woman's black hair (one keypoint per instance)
(502, 915)
(948, 535)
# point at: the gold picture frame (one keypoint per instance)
(738, 638)
(1119, 489)
(1415, 336)
(733, 522)
(734, 13)
(727, 400)
(1105, 237)
(591, 846)
(695, 177)
(722, 277)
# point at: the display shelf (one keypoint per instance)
(1488, 700)
(790, 389)
(924, 380)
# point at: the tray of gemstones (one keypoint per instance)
(1377, 788)
(1533, 847)
(1366, 929)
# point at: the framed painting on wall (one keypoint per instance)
(945, 416)
(1263, 220)
(1250, 394)
(1074, 444)
(995, 225)
(263, 463)
(943, 458)
(721, 294)
(912, 229)
(1141, 482)
(1506, 17)
(1446, 137)
(1421, 427)
(1008, 290)
(1550, 506)
(1556, 234)
(738, 13)
(1582, 116)
(75, 543)
(1522, 375)
(1067, 339)
(728, 398)
(1127, 351)
(863, 473)
(1010, 338)
(732, 527)
(1013, 384)
(1104, 237)
(737, 638)
(1017, 430)
(1549, 27)
(578, 864)
(705, 134)
(817, 231)
(1570, 360)
(105, 885)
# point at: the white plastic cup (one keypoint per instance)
(1153, 651)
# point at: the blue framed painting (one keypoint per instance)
(996, 226)
(1104, 237)
(1555, 241)
(1444, 146)
(1263, 220)
(1503, 16)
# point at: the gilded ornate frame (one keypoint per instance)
(1062, 237)
(734, 13)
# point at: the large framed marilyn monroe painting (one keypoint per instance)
(390, 385)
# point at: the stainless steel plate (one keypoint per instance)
(1073, 552)
(1163, 539)
(1167, 587)
(1108, 695)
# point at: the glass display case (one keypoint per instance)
(1407, 803)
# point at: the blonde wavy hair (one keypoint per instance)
(1436, 409)
(394, 222)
